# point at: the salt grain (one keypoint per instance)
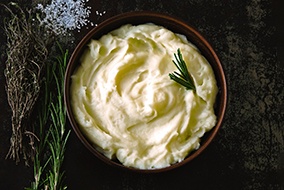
(64, 15)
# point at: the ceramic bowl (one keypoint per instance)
(176, 25)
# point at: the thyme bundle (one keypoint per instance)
(27, 52)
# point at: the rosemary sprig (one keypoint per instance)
(58, 134)
(49, 157)
(184, 78)
(40, 126)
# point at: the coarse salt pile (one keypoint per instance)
(62, 16)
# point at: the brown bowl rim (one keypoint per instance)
(170, 22)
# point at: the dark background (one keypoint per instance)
(248, 152)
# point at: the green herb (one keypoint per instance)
(58, 134)
(49, 157)
(41, 161)
(40, 128)
(27, 52)
(184, 78)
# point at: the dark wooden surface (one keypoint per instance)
(248, 152)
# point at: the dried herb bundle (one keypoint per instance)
(27, 53)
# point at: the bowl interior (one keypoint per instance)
(174, 24)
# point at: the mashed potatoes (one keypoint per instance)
(129, 108)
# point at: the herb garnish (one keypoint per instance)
(184, 78)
